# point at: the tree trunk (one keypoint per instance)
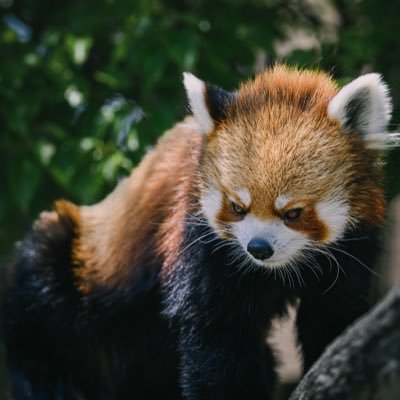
(363, 363)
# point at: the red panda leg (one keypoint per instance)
(343, 294)
(221, 316)
(217, 371)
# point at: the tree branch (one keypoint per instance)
(363, 363)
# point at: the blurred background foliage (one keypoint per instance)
(87, 87)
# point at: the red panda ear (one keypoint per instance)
(364, 106)
(209, 104)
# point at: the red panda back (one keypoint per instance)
(136, 225)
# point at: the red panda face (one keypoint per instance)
(285, 189)
(287, 163)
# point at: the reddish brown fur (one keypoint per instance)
(278, 118)
(143, 216)
(278, 140)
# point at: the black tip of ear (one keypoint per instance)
(218, 101)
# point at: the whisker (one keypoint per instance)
(337, 262)
(199, 239)
(333, 284)
(225, 243)
(294, 267)
(353, 239)
(330, 255)
(356, 259)
(315, 267)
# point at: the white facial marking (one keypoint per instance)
(244, 196)
(211, 202)
(195, 89)
(373, 107)
(335, 214)
(285, 242)
(281, 201)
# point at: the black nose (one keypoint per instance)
(260, 249)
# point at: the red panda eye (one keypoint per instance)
(238, 209)
(293, 215)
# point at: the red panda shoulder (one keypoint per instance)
(140, 223)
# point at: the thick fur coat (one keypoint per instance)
(269, 196)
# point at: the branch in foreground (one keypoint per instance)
(363, 363)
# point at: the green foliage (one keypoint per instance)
(87, 87)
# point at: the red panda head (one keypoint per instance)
(289, 161)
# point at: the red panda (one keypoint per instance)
(266, 196)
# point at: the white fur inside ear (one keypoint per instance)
(363, 105)
(196, 89)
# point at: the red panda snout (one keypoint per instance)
(279, 235)
(260, 249)
(282, 245)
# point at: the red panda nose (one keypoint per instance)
(260, 249)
